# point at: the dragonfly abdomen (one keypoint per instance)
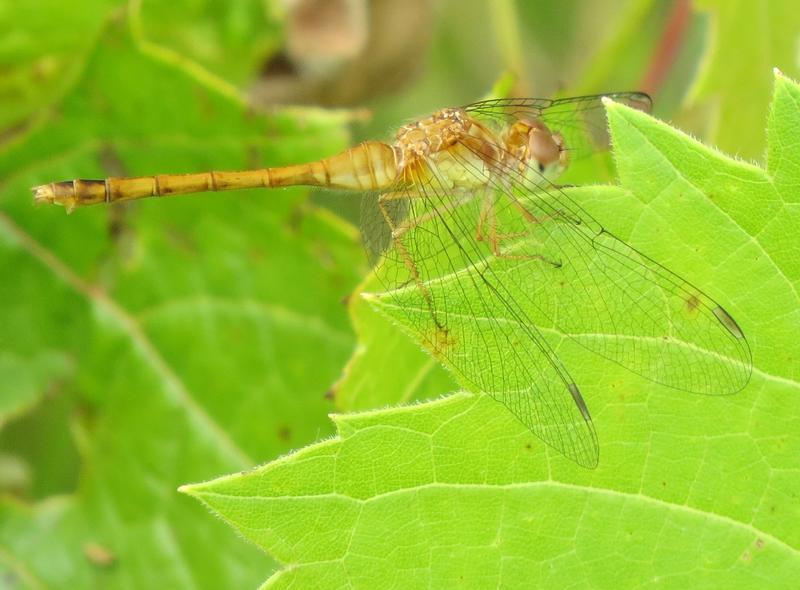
(369, 166)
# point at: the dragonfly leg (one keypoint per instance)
(397, 233)
(404, 228)
(489, 215)
(486, 207)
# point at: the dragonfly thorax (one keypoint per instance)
(465, 150)
(423, 138)
(449, 147)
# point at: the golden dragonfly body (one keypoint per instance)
(487, 261)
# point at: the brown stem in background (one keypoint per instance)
(667, 49)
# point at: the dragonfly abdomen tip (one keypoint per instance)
(43, 193)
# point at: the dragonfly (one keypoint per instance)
(490, 263)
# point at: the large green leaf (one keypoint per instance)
(173, 337)
(691, 491)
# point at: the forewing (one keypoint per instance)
(607, 295)
(580, 119)
(446, 288)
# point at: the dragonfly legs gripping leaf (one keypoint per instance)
(486, 232)
(397, 232)
(488, 218)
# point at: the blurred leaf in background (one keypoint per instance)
(38, 59)
(229, 39)
(165, 342)
(745, 41)
(145, 346)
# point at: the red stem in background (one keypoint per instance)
(667, 49)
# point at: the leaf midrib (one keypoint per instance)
(248, 306)
(547, 484)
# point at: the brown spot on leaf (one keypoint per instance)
(257, 254)
(284, 433)
(254, 158)
(14, 132)
(692, 303)
(324, 255)
(111, 162)
(116, 224)
(181, 240)
(99, 555)
(440, 342)
(294, 222)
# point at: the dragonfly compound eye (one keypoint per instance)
(543, 147)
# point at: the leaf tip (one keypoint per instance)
(782, 81)
(188, 489)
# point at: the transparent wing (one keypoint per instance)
(447, 292)
(606, 295)
(580, 120)
(539, 107)
(487, 276)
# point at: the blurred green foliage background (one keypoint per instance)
(153, 344)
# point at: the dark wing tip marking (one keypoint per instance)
(590, 457)
(576, 395)
(635, 99)
(643, 100)
(730, 324)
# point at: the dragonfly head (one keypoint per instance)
(534, 144)
(546, 151)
